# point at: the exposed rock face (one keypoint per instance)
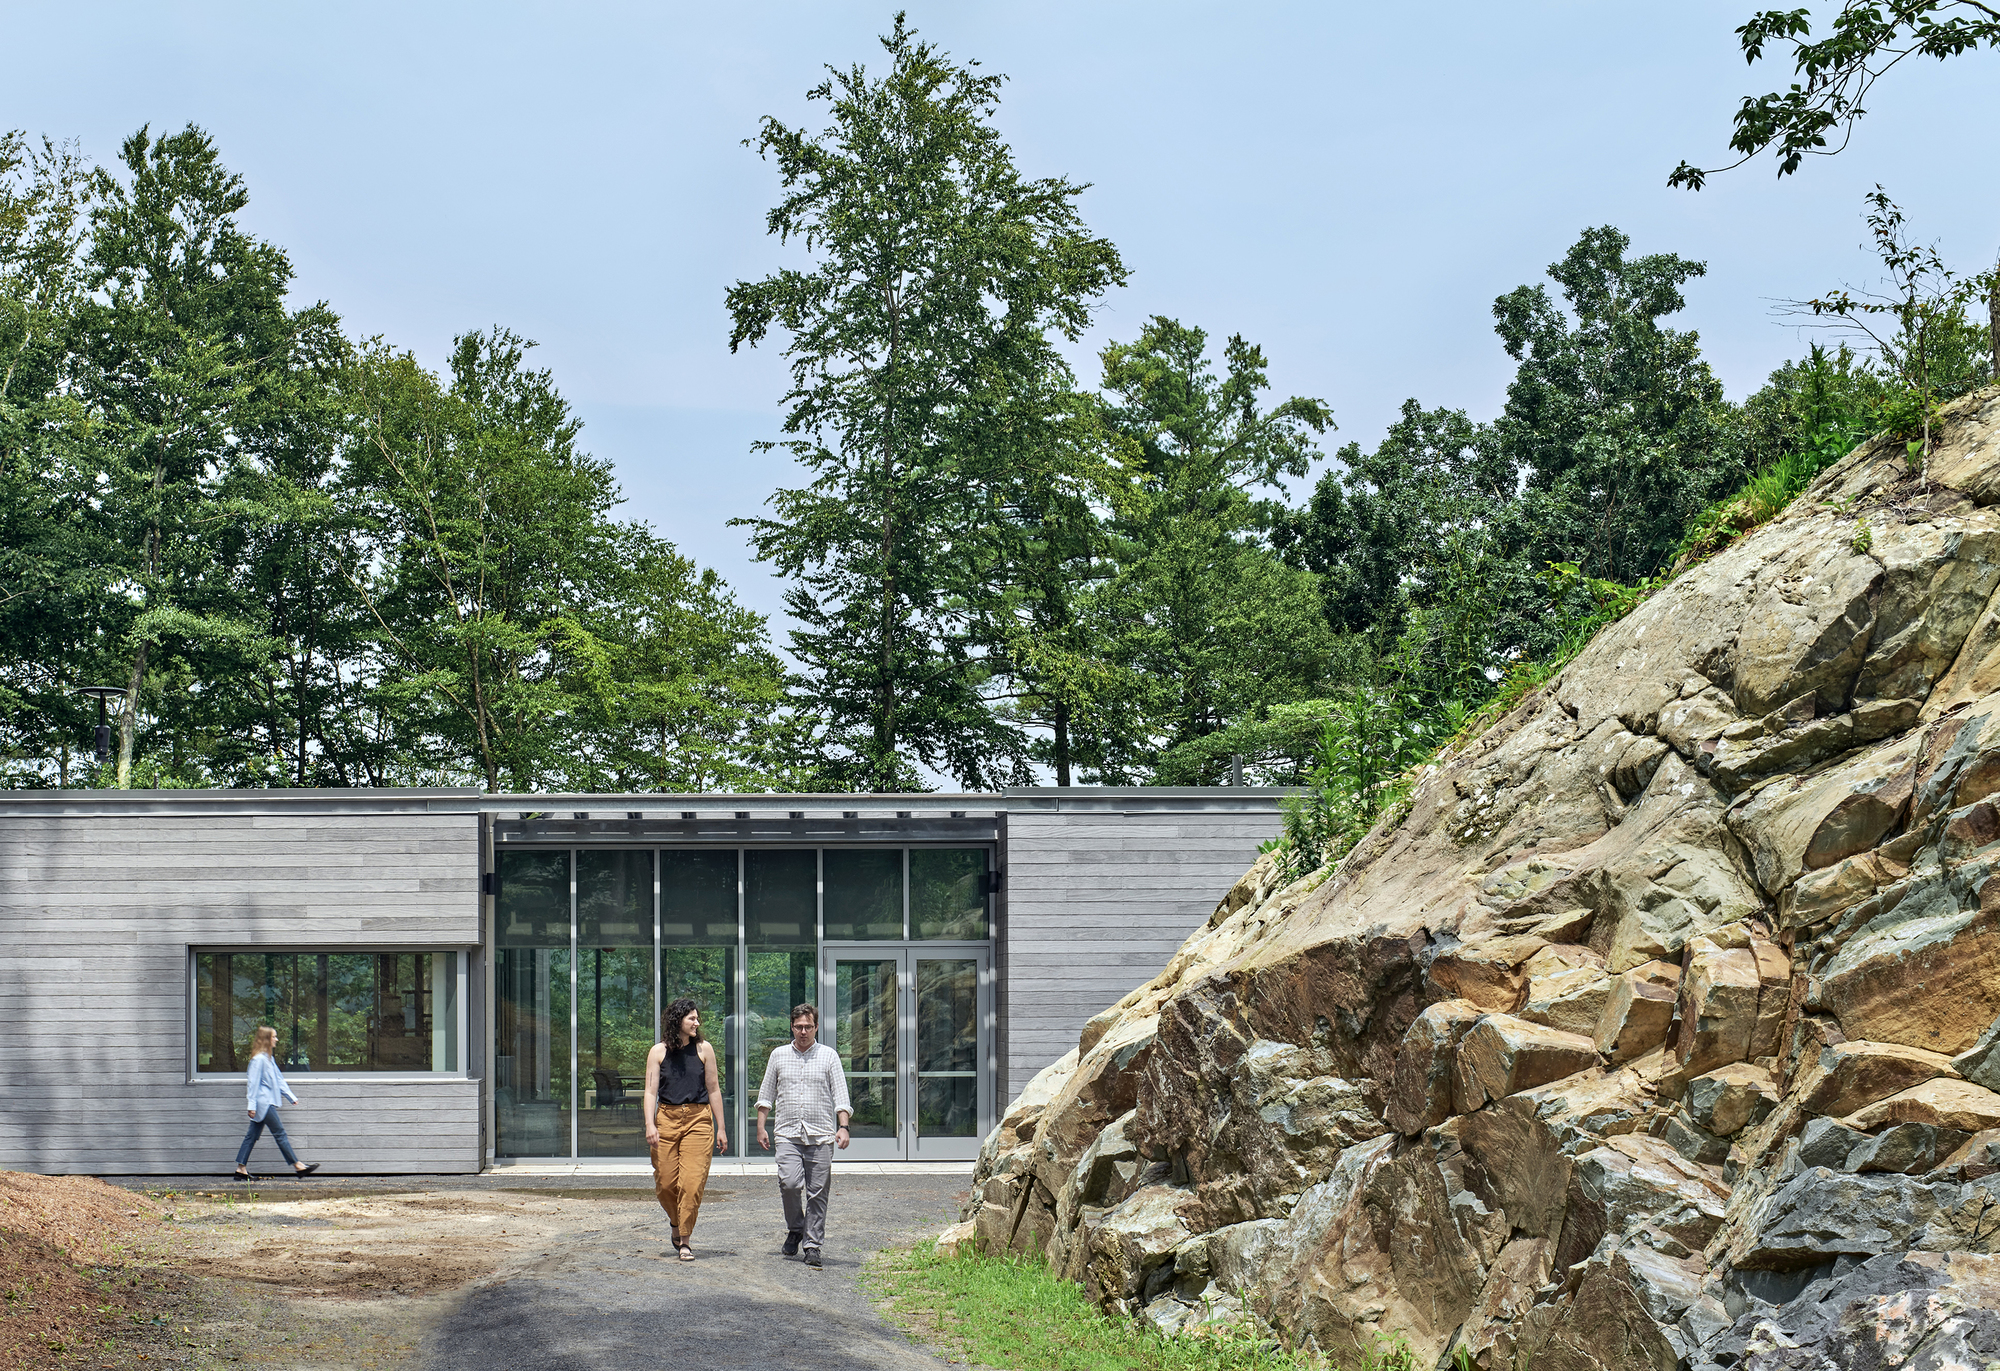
(1663, 1030)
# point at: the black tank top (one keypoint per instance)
(683, 1079)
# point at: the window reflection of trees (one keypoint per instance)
(350, 1011)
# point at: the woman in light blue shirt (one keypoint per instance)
(267, 1091)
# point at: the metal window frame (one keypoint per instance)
(737, 1021)
(191, 1043)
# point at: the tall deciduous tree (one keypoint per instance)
(1406, 532)
(492, 529)
(1201, 610)
(1055, 552)
(522, 635)
(55, 565)
(938, 274)
(1614, 421)
(674, 686)
(187, 316)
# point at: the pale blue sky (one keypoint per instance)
(1348, 185)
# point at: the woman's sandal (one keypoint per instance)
(301, 1172)
(242, 1176)
(687, 1253)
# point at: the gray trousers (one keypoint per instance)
(805, 1180)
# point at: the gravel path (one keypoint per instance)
(586, 1280)
(615, 1296)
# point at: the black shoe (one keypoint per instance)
(792, 1244)
(302, 1172)
(812, 1257)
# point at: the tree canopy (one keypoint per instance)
(303, 560)
(296, 557)
(921, 351)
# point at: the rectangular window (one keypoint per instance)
(864, 894)
(333, 1011)
(781, 918)
(614, 997)
(948, 892)
(532, 981)
(698, 956)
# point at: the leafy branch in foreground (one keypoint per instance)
(1836, 72)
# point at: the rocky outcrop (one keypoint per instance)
(1662, 1030)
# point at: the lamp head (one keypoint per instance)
(102, 693)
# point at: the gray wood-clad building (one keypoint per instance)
(459, 978)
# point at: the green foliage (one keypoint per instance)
(1009, 1311)
(1370, 740)
(1864, 538)
(55, 565)
(1183, 621)
(1835, 73)
(919, 344)
(1401, 542)
(1824, 406)
(308, 564)
(1616, 423)
(1933, 352)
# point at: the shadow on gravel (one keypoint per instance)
(524, 1326)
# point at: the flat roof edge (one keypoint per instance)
(455, 800)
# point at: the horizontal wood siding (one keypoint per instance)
(97, 914)
(1097, 904)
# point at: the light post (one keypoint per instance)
(102, 693)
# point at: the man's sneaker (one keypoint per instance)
(812, 1256)
(792, 1244)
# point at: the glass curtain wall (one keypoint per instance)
(531, 1067)
(864, 903)
(614, 1000)
(781, 931)
(591, 947)
(698, 957)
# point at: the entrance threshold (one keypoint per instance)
(721, 1166)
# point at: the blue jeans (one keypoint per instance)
(257, 1126)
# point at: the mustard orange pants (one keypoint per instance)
(680, 1161)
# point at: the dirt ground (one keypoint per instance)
(87, 1276)
(429, 1273)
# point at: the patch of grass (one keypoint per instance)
(1766, 494)
(1013, 1312)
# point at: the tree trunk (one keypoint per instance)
(885, 690)
(128, 719)
(1993, 315)
(885, 717)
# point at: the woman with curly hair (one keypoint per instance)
(684, 1125)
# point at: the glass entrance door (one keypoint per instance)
(913, 1027)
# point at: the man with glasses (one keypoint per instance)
(804, 1085)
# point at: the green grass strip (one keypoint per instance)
(1013, 1312)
